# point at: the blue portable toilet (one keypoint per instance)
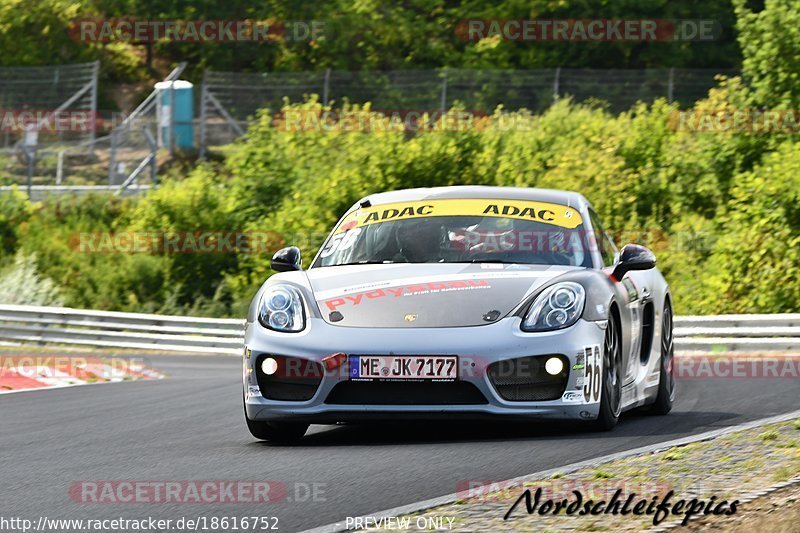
(182, 115)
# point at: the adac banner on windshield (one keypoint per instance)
(546, 213)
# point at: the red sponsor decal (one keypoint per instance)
(405, 290)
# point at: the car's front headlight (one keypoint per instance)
(281, 309)
(557, 307)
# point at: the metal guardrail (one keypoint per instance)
(64, 325)
(778, 332)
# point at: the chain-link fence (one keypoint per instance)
(125, 154)
(58, 102)
(44, 110)
(230, 99)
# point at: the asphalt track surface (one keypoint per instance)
(190, 427)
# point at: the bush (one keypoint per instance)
(720, 215)
(21, 284)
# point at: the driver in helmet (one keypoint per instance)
(419, 240)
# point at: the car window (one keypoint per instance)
(459, 230)
(608, 249)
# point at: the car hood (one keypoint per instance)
(424, 294)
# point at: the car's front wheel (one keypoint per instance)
(611, 396)
(277, 431)
(281, 432)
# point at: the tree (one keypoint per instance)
(770, 43)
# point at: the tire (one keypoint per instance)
(611, 396)
(666, 382)
(278, 432)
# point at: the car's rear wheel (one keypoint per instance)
(666, 383)
(611, 396)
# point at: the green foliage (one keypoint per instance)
(186, 209)
(14, 212)
(41, 33)
(21, 284)
(770, 42)
(756, 259)
(360, 34)
(719, 209)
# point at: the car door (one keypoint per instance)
(630, 306)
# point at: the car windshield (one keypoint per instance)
(459, 231)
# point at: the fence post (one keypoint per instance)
(671, 85)
(112, 156)
(203, 90)
(171, 129)
(60, 167)
(93, 105)
(326, 87)
(556, 83)
(153, 155)
(30, 152)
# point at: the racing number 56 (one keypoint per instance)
(591, 383)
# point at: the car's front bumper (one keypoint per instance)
(477, 347)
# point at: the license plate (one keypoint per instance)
(404, 367)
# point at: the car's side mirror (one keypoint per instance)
(633, 257)
(287, 259)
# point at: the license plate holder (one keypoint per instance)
(403, 367)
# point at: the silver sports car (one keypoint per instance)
(456, 302)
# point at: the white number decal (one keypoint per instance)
(593, 379)
(333, 244)
(341, 242)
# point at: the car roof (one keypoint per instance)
(568, 198)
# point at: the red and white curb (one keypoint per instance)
(19, 373)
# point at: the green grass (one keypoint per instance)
(768, 436)
(675, 454)
(783, 473)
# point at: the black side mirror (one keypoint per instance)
(633, 257)
(287, 259)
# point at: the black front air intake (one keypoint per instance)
(295, 378)
(526, 380)
(405, 393)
